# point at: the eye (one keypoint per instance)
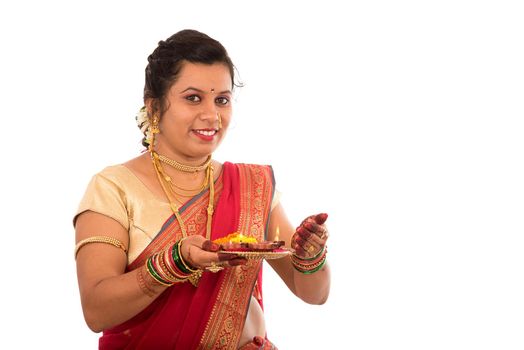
(193, 98)
(222, 100)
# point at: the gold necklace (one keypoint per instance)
(183, 167)
(176, 189)
(193, 191)
(168, 190)
(181, 192)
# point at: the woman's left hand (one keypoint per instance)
(311, 236)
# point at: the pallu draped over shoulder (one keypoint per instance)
(212, 315)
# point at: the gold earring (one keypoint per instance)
(155, 129)
(219, 117)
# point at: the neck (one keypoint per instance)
(185, 168)
(182, 160)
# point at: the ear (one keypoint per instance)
(149, 106)
(152, 106)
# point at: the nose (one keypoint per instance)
(209, 111)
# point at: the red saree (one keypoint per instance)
(212, 315)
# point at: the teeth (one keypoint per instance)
(206, 132)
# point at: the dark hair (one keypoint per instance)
(166, 62)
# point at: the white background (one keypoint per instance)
(401, 119)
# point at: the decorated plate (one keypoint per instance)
(259, 255)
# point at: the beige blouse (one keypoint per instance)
(119, 194)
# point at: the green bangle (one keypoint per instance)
(309, 272)
(176, 259)
(156, 277)
(305, 269)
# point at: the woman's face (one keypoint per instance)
(189, 129)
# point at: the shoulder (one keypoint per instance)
(127, 171)
(117, 179)
(117, 174)
(113, 171)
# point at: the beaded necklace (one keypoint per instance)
(183, 167)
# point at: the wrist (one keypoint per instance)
(310, 265)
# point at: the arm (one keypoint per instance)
(312, 288)
(109, 295)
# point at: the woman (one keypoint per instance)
(149, 275)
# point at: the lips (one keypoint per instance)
(205, 134)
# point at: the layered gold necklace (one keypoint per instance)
(169, 187)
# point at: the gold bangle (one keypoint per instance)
(100, 239)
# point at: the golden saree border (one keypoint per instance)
(226, 322)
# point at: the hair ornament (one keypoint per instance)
(144, 124)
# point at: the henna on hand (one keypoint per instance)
(310, 237)
(321, 218)
(210, 246)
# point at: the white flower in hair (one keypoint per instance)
(142, 122)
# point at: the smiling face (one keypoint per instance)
(189, 128)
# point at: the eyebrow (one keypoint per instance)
(202, 91)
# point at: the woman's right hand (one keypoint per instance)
(201, 253)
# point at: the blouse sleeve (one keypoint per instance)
(105, 197)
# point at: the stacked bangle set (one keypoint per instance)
(310, 265)
(168, 267)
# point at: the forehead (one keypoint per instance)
(204, 76)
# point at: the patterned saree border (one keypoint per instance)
(226, 323)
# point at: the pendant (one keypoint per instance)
(195, 277)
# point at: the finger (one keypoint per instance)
(315, 228)
(210, 246)
(235, 261)
(307, 250)
(308, 245)
(303, 233)
(321, 218)
(300, 241)
(300, 251)
(198, 257)
(315, 239)
(226, 256)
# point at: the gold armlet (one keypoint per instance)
(100, 239)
